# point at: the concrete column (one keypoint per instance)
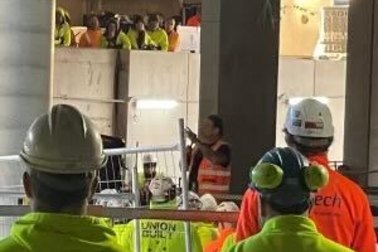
(239, 51)
(361, 111)
(25, 81)
(25, 67)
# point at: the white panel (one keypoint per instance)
(194, 77)
(296, 77)
(100, 113)
(337, 106)
(158, 75)
(330, 78)
(85, 73)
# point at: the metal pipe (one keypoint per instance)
(140, 213)
(135, 191)
(123, 151)
(185, 184)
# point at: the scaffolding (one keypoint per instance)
(123, 190)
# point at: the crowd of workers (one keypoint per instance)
(295, 201)
(151, 32)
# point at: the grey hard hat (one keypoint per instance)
(63, 141)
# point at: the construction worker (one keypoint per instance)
(195, 20)
(62, 153)
(209, 166)
(207, 231)
(139, 38)
(157, 34)
(92, 37)
(114, 37)
(226, 230)
(62, 34)
(158, 235)
(173, 36)
(341, 210)
(287, 183)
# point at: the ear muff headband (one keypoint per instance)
(267, 176)
(315, 177)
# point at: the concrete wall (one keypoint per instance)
(163, 76)
(305, 78)
(86, 78)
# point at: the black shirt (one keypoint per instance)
(197, 159)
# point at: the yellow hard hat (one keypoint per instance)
(63, 141)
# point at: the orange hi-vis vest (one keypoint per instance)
(213, 178)
(341, 212)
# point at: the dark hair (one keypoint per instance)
(307, 145)
(138, 19)
(297, 209)
(153, 18)
(60, 191)
(217, 122)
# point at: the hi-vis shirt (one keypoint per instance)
(164, 236)
(341, 212)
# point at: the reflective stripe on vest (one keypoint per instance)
(213, 178)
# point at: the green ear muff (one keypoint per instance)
(316, 177)
(267, 176)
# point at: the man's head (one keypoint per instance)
(162, 189)
(112, 29)
(194, 202)
(59, 16)
(308, 127)
(286, 182)
(93, 23)
(211, 129)
(62, 152)
(227, 206)
(153, 22)
(170, 24)
(149, 166)
(139, 23)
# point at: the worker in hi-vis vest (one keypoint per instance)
(158, 235)
(341, 210)
(62, 153)
(226, 231)
(287, 184)
(210, 158)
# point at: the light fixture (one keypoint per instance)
(296, 100)
(155, 104)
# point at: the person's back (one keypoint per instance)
(159, 235)
(167, 236)
(91, 39)
(286, 185)
(42, 232)
(62, 153)
(341, 210)
(289, 233)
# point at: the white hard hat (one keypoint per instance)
(110, 201)
(148, 158)
(227, 206)
(209, 203)
(309, 118)
(63, 141)
(160, 186)
(194, 202)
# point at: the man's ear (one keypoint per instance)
(27, 181)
